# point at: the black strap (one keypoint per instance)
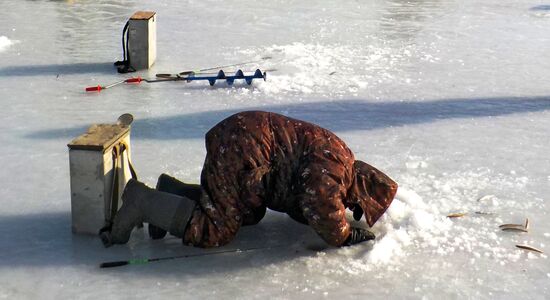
(114, 184)
(117, 156)
(130, 165)
(123, 66)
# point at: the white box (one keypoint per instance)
(142, 39)
(95, 157)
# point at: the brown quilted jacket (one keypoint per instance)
(259, 159)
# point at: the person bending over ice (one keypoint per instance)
(257, 160)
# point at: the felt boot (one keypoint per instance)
(169, 184)
(166, 211)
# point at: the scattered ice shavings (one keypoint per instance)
(408, 221)
(410, 198)
(490, 200)
(462, 192)
(522, 180)
(421, 219)
(485, 198)
(416, 162)
(385, 250)
(297, 62)
(5, 43)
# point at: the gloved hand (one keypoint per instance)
(358, 235)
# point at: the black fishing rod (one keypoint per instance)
(142, 261)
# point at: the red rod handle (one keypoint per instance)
(134, 80)
(93, 88)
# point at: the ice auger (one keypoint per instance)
(230, 79)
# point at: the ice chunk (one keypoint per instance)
(5, 43)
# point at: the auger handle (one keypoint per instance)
(113, 264)
(134, 80)
(94, 88)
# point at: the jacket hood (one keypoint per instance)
(372, 190)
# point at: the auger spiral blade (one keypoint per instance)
(239, 74)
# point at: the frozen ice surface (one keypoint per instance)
(450, 98)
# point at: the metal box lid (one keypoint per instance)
(99, 137)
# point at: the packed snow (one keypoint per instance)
(449, 98)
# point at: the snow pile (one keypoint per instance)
(408, 220)
(408, 225)
(5, 43)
